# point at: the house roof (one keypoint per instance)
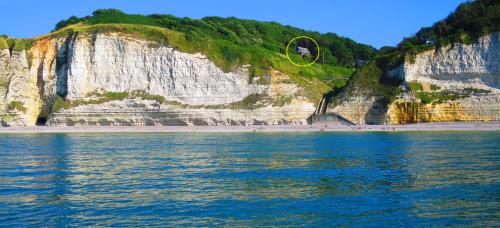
(303, 51)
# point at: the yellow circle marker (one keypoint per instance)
(300, 37)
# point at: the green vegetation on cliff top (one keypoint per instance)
(231, 42)
(272, 36)
(469, 22)
(3, 43)
(15, 43)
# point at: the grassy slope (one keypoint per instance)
(231, 42)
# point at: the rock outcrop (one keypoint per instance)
(458, 65)
(80, 67)
(469, 72)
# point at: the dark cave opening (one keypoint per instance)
(41, 121)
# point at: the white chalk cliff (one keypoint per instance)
(118, 63)
(455, 68)
(461, 65)
(198, 92)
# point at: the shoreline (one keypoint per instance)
(442, 126)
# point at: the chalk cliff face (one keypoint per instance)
(458, 65)
(197, 91)
(118, 63)
(18, 87)
(470, 69)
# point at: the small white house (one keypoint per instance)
(302, 51)
(430, 42)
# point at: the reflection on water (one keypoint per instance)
(297, 179)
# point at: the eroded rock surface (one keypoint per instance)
(80, 66)
(453, 69)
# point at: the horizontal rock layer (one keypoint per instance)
(136, 112)
(476, 108)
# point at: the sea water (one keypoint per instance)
(250, 179)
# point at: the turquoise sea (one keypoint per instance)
(244, 179)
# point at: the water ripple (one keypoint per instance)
(292, 179)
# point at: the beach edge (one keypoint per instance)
(442, 126)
